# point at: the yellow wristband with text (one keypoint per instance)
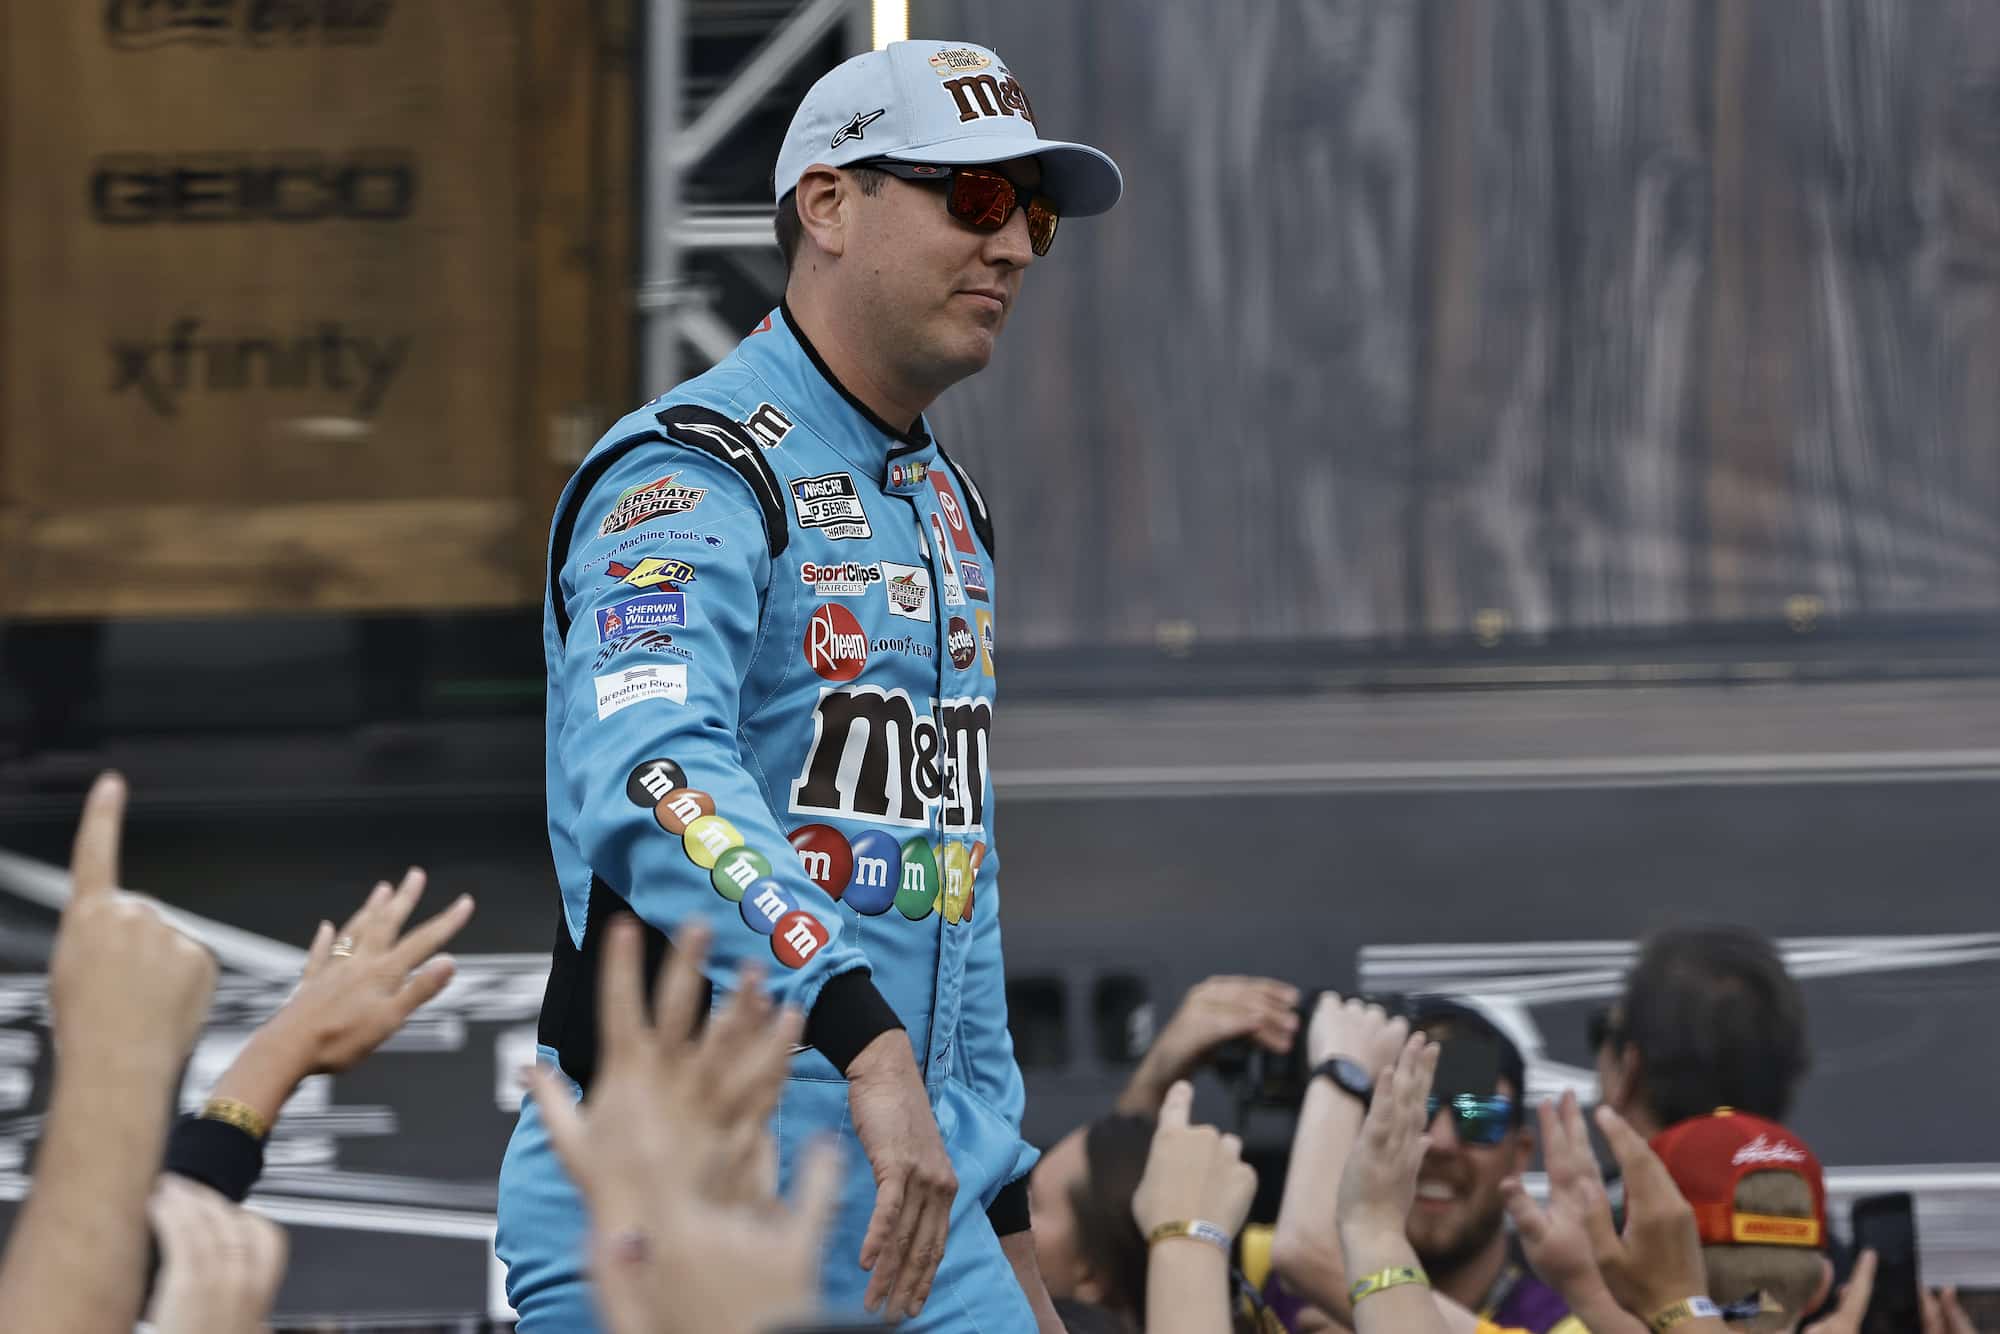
(1384, 1279)
(1195, 1229)
(239, 1114)
(1691, 1308)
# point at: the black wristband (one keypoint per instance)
(216, 1154)
(849, 1014)
(1009, 1211)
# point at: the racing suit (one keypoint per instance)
(769, 635)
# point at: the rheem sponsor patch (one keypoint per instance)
(836, 647)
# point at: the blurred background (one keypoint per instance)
(1512, 474)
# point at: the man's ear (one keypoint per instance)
(822, 197)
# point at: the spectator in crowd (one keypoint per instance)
(1476, 1139)
(1709, 1018)
(1378, 1187)
(1080, 1191)
(1643, 1274)
(673, 1154)
(1473, 1141)
(1747, 1177)
(1188, 1207)
(220, 1264)
(360, 985)
(1215, 1012)
(1080, 1196)
(127, 996)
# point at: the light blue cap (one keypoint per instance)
(948, 103)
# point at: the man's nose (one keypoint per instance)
(1010, 245)
(1442, 1134)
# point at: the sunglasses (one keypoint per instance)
(982, 198)
(1475, 1120)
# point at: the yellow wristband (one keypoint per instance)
(1194, 1228)
(1384, 1279)
(1690, 1308)
(239, 1114)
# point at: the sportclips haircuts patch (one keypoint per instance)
(832, 504)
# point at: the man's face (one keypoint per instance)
(938, 290)
(1458, 1208)
(1060, 1170)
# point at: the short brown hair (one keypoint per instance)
(790, 231)
(1789, 1275)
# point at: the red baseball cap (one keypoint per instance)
(1709, 1156)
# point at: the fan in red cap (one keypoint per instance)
(1759, 1200)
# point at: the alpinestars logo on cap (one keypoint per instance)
(853, 128)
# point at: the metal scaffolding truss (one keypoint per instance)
(678, 316)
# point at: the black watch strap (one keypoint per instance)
(1350, 1077)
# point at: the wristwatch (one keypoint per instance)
(1349, 1077)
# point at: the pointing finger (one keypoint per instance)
(1176, 1105)
(93, 860)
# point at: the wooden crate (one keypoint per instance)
(301, 302)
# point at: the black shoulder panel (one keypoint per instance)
(696, 428)
(730, 442)
(587, 478)
(982, 521)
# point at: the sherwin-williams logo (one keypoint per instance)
(639, 504)
(642, 613)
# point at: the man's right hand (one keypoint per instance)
(914, 1180)
(123, 984)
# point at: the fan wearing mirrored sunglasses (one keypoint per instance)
(1477, 1138)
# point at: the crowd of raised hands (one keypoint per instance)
(130, 1214)
(128, 994)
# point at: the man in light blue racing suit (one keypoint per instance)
(769, 631)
